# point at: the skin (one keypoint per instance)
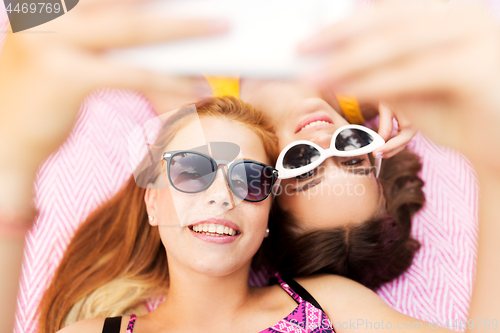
(205, 278)
(438, 66)
(343, 190)
(466, 90)
(427, 58)
(193, 263)
(216, 202)
(39, 63)
(277, 99)
(210, 280)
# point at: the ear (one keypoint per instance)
(150, 198)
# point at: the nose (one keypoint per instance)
(219, 193)
(322, 140)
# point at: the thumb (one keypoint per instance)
(385, 125)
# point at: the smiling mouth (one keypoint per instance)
(216, 230)
(318, 120)
(314, 124)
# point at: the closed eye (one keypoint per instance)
(307, 175)
(353, 161)
(308, 185)
(356, 165)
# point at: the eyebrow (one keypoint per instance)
(358, 170)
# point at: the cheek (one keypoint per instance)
(284, 201)
(173, 205)
(284, 134)
(257, 214)
(303, 207)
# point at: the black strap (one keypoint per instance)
(302, 292)
(272, 281)
(112, 325)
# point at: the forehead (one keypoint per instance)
(199, 132)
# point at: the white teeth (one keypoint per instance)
(214, 229)
(315, 123)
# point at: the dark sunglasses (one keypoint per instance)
(193, 172)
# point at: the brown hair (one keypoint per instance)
(116, 259)
(372, 252)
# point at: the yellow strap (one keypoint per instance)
(224, 86)
(230, 86)
(350, 108)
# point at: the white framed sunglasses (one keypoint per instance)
(300, 157)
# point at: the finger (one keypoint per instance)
(396, 144)
(384, 18)
(328, 95)
(394, 152)
(130, 25)
(441, 30)
(166, 101)
(101, 73)
(403, 79)
(359, 24)
(390, 46)
(385, 125)
(374, 51)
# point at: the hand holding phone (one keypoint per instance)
(262, 41)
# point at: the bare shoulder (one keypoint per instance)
(93, 325)
(352, 306)
(329, 283)
(338, 294)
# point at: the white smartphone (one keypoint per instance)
(262, 40)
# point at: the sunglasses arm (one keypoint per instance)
(276, 186)
(378, 164)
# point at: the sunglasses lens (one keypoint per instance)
(191, 172)
(251, 181)
(299, 156)
(351, 139)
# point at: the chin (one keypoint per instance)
(215, 266)
(216, 271)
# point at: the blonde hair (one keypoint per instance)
(116, 260)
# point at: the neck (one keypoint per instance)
(196, 299)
